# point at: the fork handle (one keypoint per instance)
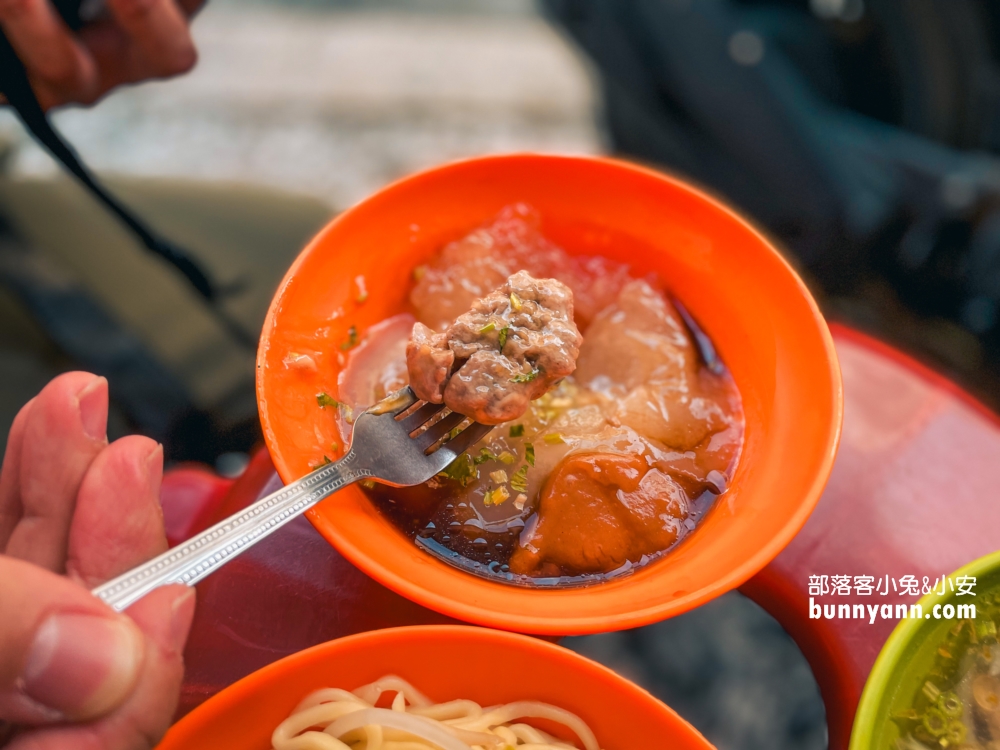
(205, 553)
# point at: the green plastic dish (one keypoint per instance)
(906, 658)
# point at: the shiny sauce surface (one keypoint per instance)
(604, 473)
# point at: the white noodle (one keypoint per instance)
(393, 684)
(334, 719)
(425, 729)
(533, 710)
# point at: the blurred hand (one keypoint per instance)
(140, 39)
(75, 511)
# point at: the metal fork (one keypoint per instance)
(391, 445)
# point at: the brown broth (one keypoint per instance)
(649, 399)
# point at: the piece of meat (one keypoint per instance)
(506, 351)
(599, 511)
(429, 362)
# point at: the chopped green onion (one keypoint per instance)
(950, 704)
(931, 691)
(326, 460)
(554, 438)
(520, 500)
(519, 482)
(515, 302)
(985, 629)
(525, 377)
(529, 453)
(503, 336)
(506, 457)
(484, 455)
(491, 326)
(462, 470)
(368, 484)
(418, 272)
(935, 722)
(956, 732)
(325, 399)
(516, 430)
(352, 339)
(495, 496)
(499, 476)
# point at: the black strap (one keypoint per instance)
(14, 84)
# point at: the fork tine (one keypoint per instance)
(468, 437)
(421, 415)
(439, 430)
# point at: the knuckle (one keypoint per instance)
(12, 10)
(133, 11)
(182, 60)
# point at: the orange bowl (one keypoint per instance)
(757, 311)
(445, 662)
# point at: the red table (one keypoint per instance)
(910, 494)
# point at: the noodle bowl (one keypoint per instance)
(335, 719)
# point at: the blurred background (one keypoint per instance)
(861, 135)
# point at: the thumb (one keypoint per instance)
(64, 655)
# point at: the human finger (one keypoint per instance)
(57, 64)
(63, 433)
(161, 43)
(64, 655)
(117, 523)
(164, 616)
(10, 476)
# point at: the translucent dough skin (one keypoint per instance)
(599, 511)
(638, 355)
(640, 397)
(510, 348)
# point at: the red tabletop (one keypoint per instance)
(910, 494)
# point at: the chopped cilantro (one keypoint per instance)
(525, 378)
(503, 336)
(529, 453)
(516, 430)
(325, 399)
(352, 339)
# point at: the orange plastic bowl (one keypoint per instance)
(445, 662)
(759, 314)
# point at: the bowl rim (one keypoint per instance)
(902, 636)
(372, 639)
(470, 612)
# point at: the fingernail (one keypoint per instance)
(82, 665)
(180, 619)
(93, 404)
(154, 468)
